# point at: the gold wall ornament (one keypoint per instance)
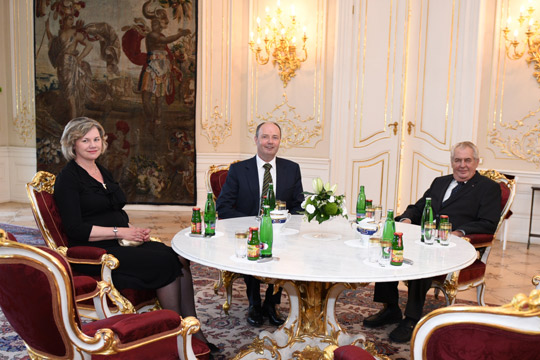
(521, 139)
(522, 36)
(295, 131)
(216, 129)
(279, 34)
(24, 122)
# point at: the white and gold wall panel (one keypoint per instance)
(300, 105)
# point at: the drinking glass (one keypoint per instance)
(386, 249)
(281, 205)
(429, 233)
(377, 214)
(240, 246)
(444, 233)
(374, 249)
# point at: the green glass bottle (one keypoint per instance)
(427, 216)
(361, 205)
(396, 257)
(271, 197)
(389, 227)
(266, 234)
(210, 215)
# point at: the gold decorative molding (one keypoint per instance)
(216, 129)
(295, 130)
(519, 139)
(24, 120)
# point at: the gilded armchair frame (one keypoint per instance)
(43, 181)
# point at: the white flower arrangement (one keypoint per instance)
(323, 203)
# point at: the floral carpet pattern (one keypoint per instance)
(230, 332)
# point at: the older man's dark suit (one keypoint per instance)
(474, 209)
(240, 196)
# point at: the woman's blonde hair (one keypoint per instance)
(76, 129)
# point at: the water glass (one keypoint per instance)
(240, 246)
(444, 233)
(374, 249)
(281, 205)
(429, 233)
(377, 214)
(386, 249)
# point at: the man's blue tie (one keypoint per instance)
(455, 190)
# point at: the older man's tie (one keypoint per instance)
(455, 190)
(267, 179)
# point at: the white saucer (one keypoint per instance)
(322, 236)
(246, 261)
(218, 234)
(391, 267)
(287, 231)
(356, 243)
(435, 244)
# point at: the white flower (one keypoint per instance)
(332, 199)
(310, 209)
(303, 205)
(344, 211)
(313, 197)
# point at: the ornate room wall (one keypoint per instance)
(387, 88)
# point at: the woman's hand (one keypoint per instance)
(134, 233)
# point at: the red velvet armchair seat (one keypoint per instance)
(473, 275)
(40, 192)
(37, 298)
(479, 332)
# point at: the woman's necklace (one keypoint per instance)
(95, 173)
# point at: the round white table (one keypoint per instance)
(314, 271)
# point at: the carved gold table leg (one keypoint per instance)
(310, 327)
(226, 279)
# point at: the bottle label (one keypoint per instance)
(195, 227)
(210, 228)
(253, 252)
(396, 257)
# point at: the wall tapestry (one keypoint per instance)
(131, 65)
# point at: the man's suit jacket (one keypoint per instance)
(475, 208)
(240, 195)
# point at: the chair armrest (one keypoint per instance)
(85, 255)
(480, 240)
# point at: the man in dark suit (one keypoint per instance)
(241, 196)
(473, 205)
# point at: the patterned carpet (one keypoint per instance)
(231, 333)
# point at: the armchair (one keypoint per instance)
(473, 276)
(37, 298)
(215, 178)
(40, 192)
(478, 332)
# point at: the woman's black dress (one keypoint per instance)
(84, 202)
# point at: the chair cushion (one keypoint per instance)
(351, 352)
(27, 302)
(505, 194)
(477, 342)
(133, 327)
(85, 253)
(51, 217)
(217, 180)
(84, 285)
(473, 272)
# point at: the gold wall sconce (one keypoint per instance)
(523, 36)
(277, 39)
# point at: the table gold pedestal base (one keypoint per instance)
(311, 330)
